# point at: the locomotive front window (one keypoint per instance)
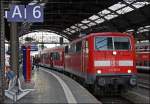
(112, 43)
(103, 43)
(121, 43)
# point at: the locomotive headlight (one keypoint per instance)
(99, 71)
(129, 71)
(114, 53)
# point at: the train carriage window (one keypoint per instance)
(86, 44)
(56, 56)
(51, 56)
(86, 47)
(78, 46)
(66, 49)
(72, 48)
(121, 43)
(112, 43)
(148, 48)
(141, 48)
(103, 43)
(146, 63)
(140, 63)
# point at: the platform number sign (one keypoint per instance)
(22, 13)
(36, 14)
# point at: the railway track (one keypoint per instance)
(144, 81)
(118, 98)
(143, 84)
(111, 97)
(114, 100)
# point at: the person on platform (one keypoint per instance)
(37, 60)
(9, 74)
(33, 62)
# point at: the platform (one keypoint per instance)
(53, 87)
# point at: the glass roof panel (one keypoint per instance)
(117, 6)
(91, 24)
(43, 4)
(120, 8)
(148, 26)
(125, 10)
(79, 24)
(64, 31)
(99, 20)
(140, 4)
(73, 27)
(104, 12)
(68, 29)
(68, 32)
(94, 17)
(85, 21)
(129, 1)
(76, 29)
(110, 16)
(84, 27)
(72, 31)
(143, 30)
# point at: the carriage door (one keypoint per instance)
(51, 59)
(84, 56)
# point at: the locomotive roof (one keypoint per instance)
(103, 34)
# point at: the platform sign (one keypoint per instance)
(16, 13)
(22, 13)
(36, 15)
(34, 47)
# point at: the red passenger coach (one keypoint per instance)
(102, 59)
(143, 56)
(53, 57)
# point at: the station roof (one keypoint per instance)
(72, 17)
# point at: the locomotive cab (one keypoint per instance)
(113, 58)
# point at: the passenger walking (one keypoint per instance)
(33, 62)
(10, 77)
(37, 60)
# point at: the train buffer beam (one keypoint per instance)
(53, 87)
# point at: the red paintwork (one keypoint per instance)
(28, 65)
(80, 63)
(47, 60)
(74, 61)
(143, 54)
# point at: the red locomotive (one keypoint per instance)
(98, 58)
(143, 56)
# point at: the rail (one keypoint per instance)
(143, 84)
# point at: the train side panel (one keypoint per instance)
(143, 56)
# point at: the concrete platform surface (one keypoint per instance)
(53, 87)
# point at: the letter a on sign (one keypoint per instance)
(16, 13)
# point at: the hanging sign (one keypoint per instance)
(22, 13)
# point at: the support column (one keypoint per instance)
(2, 52)
(14, 46)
